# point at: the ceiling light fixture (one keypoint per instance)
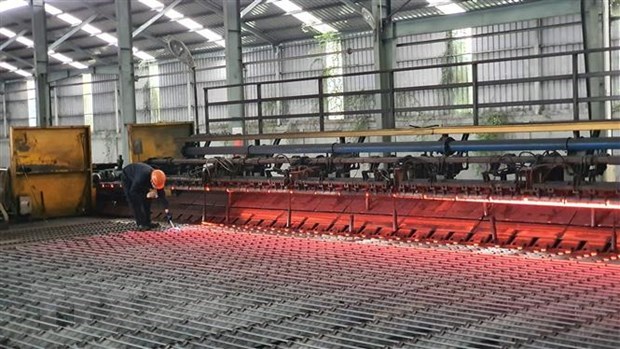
(447, 7)
(13, 69)
(29, 43)
(7, 5)
(188, 23)
(92, 30)
(306, 17)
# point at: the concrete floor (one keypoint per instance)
(92, 283)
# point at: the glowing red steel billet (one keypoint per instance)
(602, 204)
(523, 200)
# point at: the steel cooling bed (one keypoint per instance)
(99, 286)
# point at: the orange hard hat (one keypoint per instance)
(158, 179)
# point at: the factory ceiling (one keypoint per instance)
(82, 34)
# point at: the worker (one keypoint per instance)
(141, 184)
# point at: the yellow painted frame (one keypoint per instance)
(52, 166)
(157, 140)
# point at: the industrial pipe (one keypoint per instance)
(586, 159)
(446, 146)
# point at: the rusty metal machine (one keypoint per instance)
(542, 194)
(49, 175)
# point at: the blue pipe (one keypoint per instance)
(566, 144)
(387, 147)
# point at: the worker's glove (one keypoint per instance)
(168, 216)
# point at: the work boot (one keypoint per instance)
(142, 228)
(153, 225)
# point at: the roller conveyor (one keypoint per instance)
(96, 285)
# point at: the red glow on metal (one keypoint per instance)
(528, 201)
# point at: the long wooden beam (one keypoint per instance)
(511, 128)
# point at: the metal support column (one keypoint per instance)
(279, 66)
(594, 63)
(234, 63)
(55, 91)
(5, 118)
(126, 72)
(42, 88)
(384, 47)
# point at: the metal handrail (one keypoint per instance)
(475, 84)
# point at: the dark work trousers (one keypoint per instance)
(140, 205)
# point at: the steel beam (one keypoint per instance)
(110, 16)
(16, 59)
(71, 32)
(592, 30)
(362, 11)
(155, 18)
(256, 32)
(39, 31)
(248, 9)
(5, 117)
(498, 15)
(73, 47)
(64, 74)
(126, 71)
(234, 62)
(12, 39)
(383, 49)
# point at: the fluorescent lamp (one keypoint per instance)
(220, 42)
(143, 55)
(173, 14)
(304, 16)
(8, 66)
(446, 6)
(324, 28)
(59, 56)
(91, 29)
(52, 10)
(6, 32)
(189, 24)
(209, 34)
(307, 18)
(25, 41)
(153, 4)
(287, 6)
(78, 65)
(110, 39)
(7, 5)
(22, 73)
(450, 9)
(65, 17)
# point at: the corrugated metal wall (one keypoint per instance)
(104, 106)
(16, 100)
(167, 96)
(71, 102)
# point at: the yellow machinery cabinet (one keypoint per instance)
(51, 171)
(157, 140)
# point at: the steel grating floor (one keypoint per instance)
(222, 287)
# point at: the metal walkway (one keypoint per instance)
(219, 287)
